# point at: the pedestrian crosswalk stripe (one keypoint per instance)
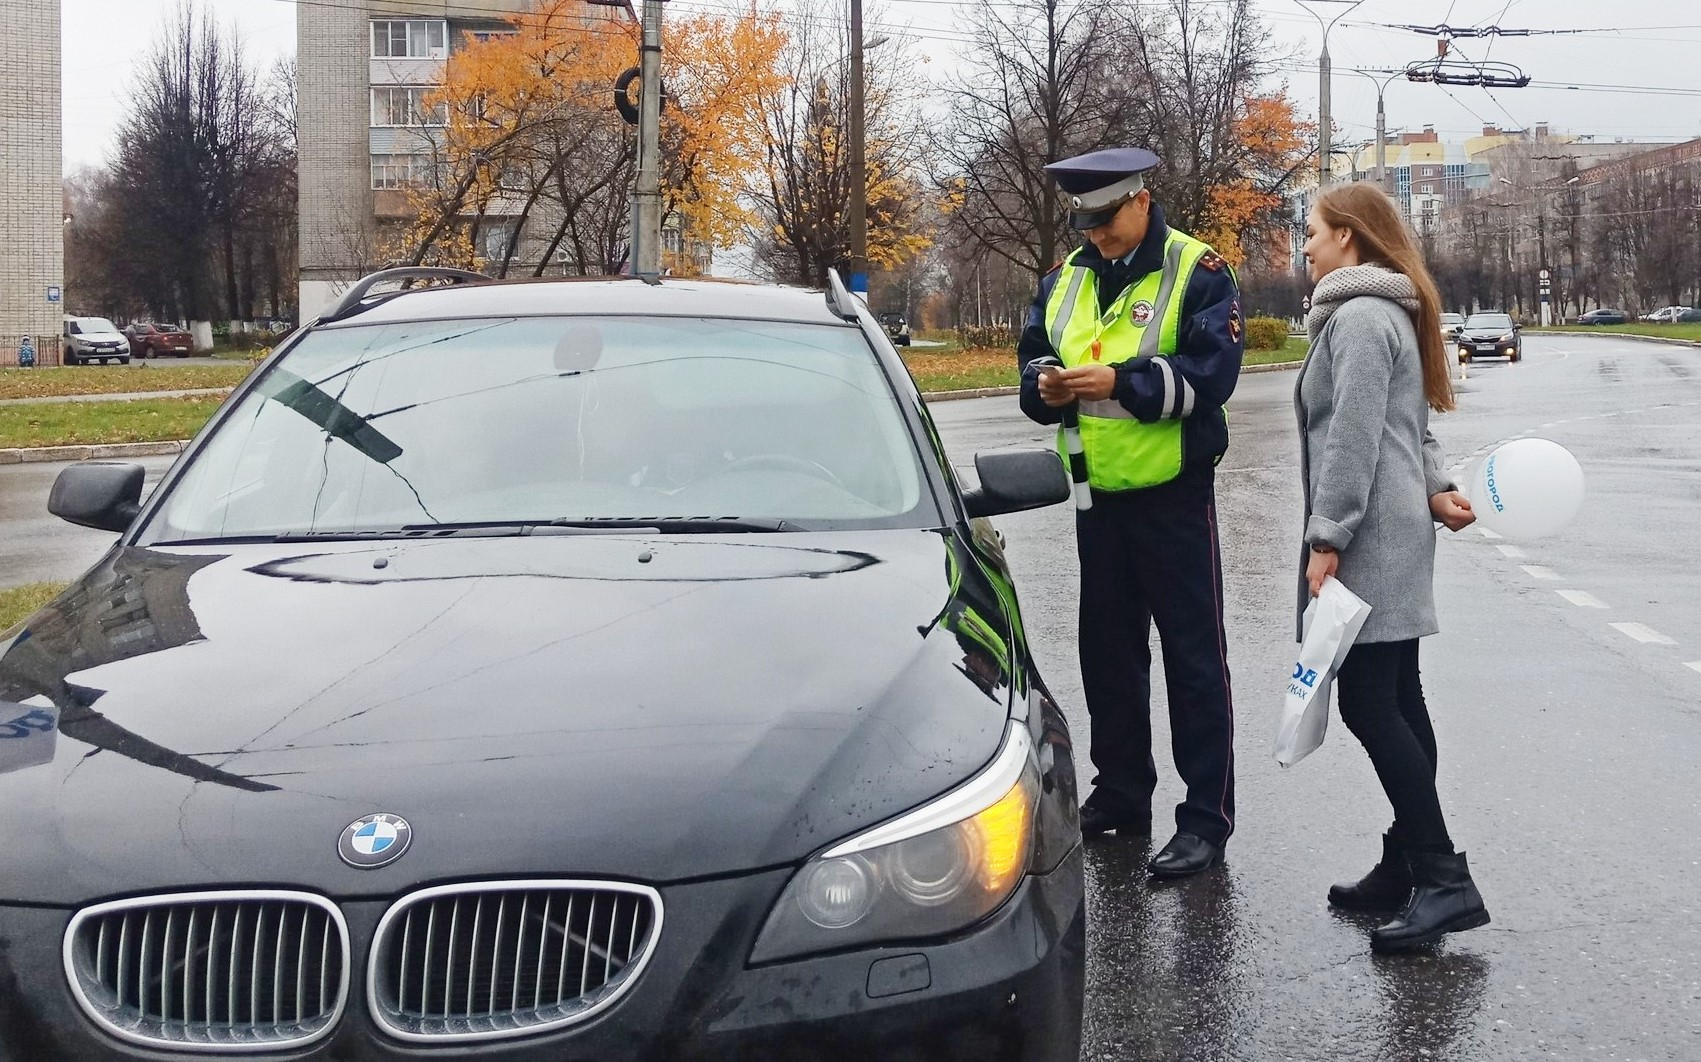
(1643, 633)
(1536, 571)
(1582, 599)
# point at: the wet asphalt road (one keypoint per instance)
(1569, 754)
(1569, 748)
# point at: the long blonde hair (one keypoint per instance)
(1383, 239)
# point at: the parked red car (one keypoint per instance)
(156, 341)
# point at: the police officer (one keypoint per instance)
(1137, 335)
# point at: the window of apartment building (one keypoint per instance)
(494, 237)
(410, 39)
(486, 36)
(1427, 189)
(395, 105)
(401, 171)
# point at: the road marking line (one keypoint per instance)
(1538, 572)
(1695, 664)
(1490, 535)
(1582, 599)
(1512, 551)
(1642, 633)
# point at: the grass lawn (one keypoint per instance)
(138, 420)
(1293, 350)
(960, 370)
(16, 604)
(119, 379)
(1639, 328)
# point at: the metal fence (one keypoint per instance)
(49, 351)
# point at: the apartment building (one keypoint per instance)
(367, 133)
(32, 211)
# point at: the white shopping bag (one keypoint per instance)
(1331, 623)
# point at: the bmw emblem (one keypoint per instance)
(374, 841)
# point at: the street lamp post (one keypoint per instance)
(858, 163)
(1324, 118)
(1381, 123)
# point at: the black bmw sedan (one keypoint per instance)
(565, 670)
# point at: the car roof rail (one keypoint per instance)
(839, 298)
(359, 298)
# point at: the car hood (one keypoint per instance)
(640, 707)
(101, 337)
(1485, 333)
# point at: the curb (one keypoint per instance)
(977, 392)
(89, 452)
(1668, 340)
(1280, 366)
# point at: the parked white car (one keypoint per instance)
(95, 339)
(1668, 314)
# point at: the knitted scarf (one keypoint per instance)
(1350, 282)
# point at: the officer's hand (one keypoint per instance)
(1091, 383)
(1323, 565)
(1053, 391)
(1452, 509)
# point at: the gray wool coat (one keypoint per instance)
(1369, 465)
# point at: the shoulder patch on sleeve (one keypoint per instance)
(1213, 261)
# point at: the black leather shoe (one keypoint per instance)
(1444, 900)
(1103, 817)
(1185, 854)
(1386, 888)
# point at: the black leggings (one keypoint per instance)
(1381, 700)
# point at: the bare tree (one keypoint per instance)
(1033, 90)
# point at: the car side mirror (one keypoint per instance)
(104, 495)
(1012, 481)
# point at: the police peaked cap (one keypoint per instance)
(1099, 182)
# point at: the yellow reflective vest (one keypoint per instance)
(1144, 322)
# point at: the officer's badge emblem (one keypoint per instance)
(1212, 261)
(1142, 312)
(1234, 321)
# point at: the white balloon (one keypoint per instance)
(1527, 488)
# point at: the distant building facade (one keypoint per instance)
(32, 210)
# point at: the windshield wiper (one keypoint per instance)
(679, 525)
(458, 529)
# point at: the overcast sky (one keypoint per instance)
(1634, 44)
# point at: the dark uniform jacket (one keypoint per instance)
(1208, 345)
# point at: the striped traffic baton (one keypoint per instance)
(1071, 441)
(1077, 456)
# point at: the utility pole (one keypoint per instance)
(858, 164)
(646, 206)
(1325, 70)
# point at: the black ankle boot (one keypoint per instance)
(1444, 900)
(1386, 888)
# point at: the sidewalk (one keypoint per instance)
(128, 396)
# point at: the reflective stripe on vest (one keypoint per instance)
(1123, 453)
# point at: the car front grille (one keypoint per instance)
(508, 958)
(215, 971)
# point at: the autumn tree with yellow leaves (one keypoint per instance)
(802, 190)
(533, 150)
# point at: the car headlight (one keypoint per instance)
(929, 873)
(1506, 339)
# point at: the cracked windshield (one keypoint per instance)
(540, 420)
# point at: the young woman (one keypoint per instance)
(1373, 484)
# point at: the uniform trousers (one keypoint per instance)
(1151, 556)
